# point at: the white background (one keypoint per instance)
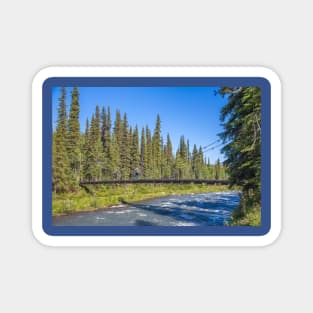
(35, 34)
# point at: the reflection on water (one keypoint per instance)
(185, 210)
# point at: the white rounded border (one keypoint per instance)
(147, 241)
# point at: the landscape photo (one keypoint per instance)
(156, 156)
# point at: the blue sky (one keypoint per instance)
(190, 111)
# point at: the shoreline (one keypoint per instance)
(117, 205)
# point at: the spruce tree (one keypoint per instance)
(125, 148)
(169, 158)
(94, 154)
(202, 167)
(135, 155)
(103, 127)
(118, 128)
(106, 141)
(98, 122)
(87, 152)
(195, 162)
(217, 169)
(241, 119)
(156, 148)
(149, 167)
(107, 134)
(73, 137)
(179, 166)
(60, 163)
(188, 151)
(183, 148)
(143, 153)
(114, 159)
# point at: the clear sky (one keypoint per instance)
(190, 111)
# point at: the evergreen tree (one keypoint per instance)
(186, 170)
(103, 127)
(60, 163)
(125, 149)
(241, 118)
(73, 137)
(97, 122)
(179, 166)
(202, 167)
(143, 153)
(217, 169)
(156, 148)
(87, 152)
(135, 155)
(169, 158)
(95, 154)
(195, 162)
(188, 151)
(105, 130)
(163, 158)
(114, 159)
(118, 128)
(183, 148)
(149, 166)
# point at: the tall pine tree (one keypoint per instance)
(156, 148)
(135, 155)
(60, 163)
(73, 137)
(241, 118)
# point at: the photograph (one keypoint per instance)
(156, 156)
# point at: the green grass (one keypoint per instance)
(105, 196)
(250, 216)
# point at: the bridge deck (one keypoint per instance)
(156, 181)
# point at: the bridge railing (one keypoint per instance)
(155, 181)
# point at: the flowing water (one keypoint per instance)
(213, 208)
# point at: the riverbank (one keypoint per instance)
(198, 209)
(250, 216)
(101, 197)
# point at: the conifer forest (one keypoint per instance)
(109, 148)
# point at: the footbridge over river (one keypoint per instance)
(156, 181)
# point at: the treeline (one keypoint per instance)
(117, 150)
(241, 118)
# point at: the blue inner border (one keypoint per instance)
(156, 230)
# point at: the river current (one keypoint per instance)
(176, 210)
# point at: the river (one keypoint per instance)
(213, 208)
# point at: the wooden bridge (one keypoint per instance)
(156, 181)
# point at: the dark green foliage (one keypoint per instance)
(195, 162)
(126, 138)
(118, 128)
(114, 159)
(106, 129)
(143, 153)
(134, 152)
(87, 152)
(96, 146)
(168, 170)
(61, 180)
(241, 118)
(156, 149)
(106, 152)
(73, 138)
(217, 168)
(106, 142)
(149, 167)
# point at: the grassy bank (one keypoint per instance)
(251, 218)
(248, 213)
(104, 196)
